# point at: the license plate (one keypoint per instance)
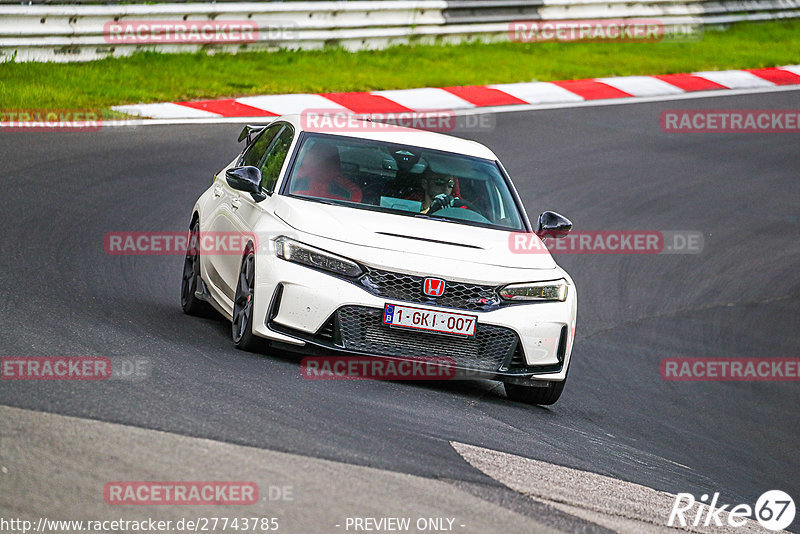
(430, 320)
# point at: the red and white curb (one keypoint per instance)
(475, 96)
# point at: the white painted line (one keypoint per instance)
(538, 92)
(735, 79)
(165, 110)
(426, 98)
(642, 85)
(622, 506)
(792, 68)
(290, 104)
(489, 109)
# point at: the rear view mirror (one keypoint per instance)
(247, 179)
(552, 224)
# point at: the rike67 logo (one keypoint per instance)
(774, 510)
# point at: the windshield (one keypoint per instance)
(404, 180)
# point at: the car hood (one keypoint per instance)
(400, 233)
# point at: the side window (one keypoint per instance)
(276, 155)
(255, 152)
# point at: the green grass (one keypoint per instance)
(151, 77)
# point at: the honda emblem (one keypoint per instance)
(433, 287)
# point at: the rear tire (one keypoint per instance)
(535, 395)
(243, 306)
(190, 304)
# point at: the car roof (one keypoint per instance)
(402, 135)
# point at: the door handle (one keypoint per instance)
(235, 203)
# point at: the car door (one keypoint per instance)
(221, 262)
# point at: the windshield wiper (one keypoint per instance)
(426, 216)
(322, 201)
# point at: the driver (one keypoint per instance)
(438, 190)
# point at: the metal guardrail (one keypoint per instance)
(79, 31)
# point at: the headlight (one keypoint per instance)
(291, 250)
(551, 290)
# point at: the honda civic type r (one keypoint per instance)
(383, 242)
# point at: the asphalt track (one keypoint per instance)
(604, 167)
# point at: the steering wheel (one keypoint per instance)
(443, 201)
(461, 203)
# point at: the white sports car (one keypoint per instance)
(384, 242)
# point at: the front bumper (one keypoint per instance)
(517, 343)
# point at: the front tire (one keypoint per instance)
(535, 395)
(190, 304)
(242, 323)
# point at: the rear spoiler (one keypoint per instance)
(250, 130)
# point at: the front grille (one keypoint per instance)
(362, 330)
(399, 286)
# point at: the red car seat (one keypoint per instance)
(320, 175)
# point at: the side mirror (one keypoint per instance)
(247, 179)
(552, 224)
